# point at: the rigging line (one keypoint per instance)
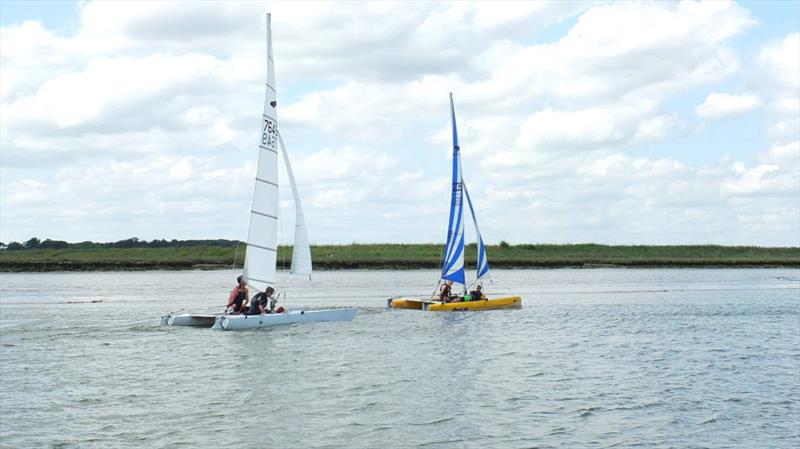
(436, 290)
(235, 255)
(441, 269)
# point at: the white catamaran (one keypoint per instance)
(262, 237)
(453, 262)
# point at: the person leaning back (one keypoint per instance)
(239, 297)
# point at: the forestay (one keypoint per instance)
(453, 265)
(262, 236)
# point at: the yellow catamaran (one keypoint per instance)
(453, 261)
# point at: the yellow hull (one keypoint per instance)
(405, 303)
(510, 302)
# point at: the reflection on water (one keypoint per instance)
(596, 358)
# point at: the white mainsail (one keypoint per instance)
(262, 235)
(301, 254)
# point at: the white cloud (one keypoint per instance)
(622, 49)
(778, 77)
(550, 128)
(143, 121)
(756, 179)
(594, 63)
(779, 64)
(615, 125)
(182, 169)
(76, 98)
(787, 155)
(26, 191)
(721, 105)
(344, 164)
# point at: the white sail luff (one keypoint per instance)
(301, 254)
(262, 236)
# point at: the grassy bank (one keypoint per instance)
(396, 256)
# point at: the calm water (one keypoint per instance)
(596, 358)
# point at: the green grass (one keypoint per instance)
(399, 256)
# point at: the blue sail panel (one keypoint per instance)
(453, 264)
(454, 259)
(483, 265)
(483, 258)
(456, 276)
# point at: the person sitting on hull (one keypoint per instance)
(476, 295)
(239, 297)
(264, 303)
(444, 291)
(260, 304)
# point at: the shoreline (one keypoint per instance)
(401, 257)
(49, 267)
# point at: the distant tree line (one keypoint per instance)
(133, 242)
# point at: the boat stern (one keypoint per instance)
(405, 303)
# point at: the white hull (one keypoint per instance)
(240, 322)
(189, 319)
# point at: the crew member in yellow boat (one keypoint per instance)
(476, 295)
(444, 291)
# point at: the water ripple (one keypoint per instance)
(596, 358)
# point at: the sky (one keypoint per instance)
(605, 122)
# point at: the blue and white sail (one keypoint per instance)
(453, 264)
(483, 259)
(262, 236)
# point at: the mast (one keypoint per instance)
(262, 236)
(453, 265)
(301, 254)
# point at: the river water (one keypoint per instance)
(596, 358)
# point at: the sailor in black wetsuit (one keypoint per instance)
(260, 303)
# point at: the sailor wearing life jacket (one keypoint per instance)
(239, 297)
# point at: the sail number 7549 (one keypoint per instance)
(269, 135)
